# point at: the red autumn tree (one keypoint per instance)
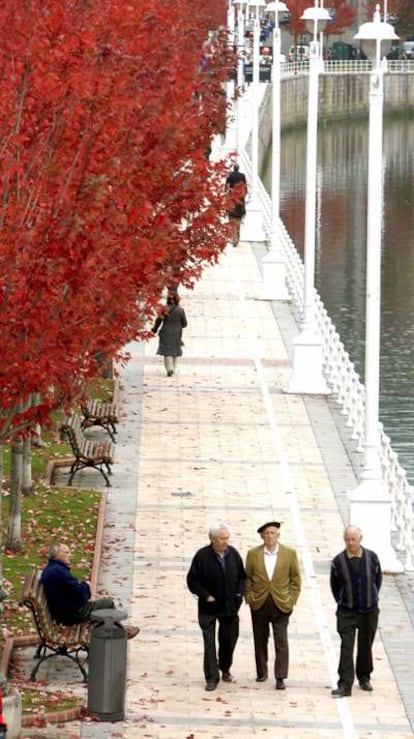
(107, 111)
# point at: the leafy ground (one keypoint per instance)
(49, 514)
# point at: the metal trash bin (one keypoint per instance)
(107, 665)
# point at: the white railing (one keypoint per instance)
(348, 66)
(346, 387)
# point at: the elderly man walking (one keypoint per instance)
(216, 576)
(272, 588)
(356, 580)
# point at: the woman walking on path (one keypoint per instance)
(236, 187)
(172, 321)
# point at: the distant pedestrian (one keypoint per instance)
(355, 583)
(169, 325)
(236, 187)
(217, 577)
(272, 588)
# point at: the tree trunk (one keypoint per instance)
(14, 535)
(27, 484)
(37, 440)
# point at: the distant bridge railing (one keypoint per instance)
(346, 386)
(349, 66)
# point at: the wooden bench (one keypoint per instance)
(96, 413)
(87, 453)
(55, 639)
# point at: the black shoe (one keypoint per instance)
(341, 692)
(365, 685)
(170, 373)
(227, 677)
(211, 684)
(261, 678)
(280, 684)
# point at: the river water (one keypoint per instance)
(341, 251)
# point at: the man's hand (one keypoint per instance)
(211, 599)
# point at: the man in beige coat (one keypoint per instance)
(272, 589)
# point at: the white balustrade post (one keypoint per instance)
(370, 503)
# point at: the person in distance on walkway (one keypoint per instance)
(355, 579)
(68, 598)
(236, 187)
(272, 588)
(170, 324)
(216, 576)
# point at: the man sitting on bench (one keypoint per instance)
(68, 598)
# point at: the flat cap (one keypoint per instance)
(269, 523)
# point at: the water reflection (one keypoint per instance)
(341, 251)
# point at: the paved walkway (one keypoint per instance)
(221, 441)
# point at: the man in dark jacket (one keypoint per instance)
(217, 577)
(68, 598)
(356, 579)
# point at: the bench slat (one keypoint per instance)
(60, 639)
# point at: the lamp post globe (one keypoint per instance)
(376, 37)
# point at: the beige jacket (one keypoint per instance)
(284, 587)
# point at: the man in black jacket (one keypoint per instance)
(356, 579)
(217, 577)
(68, 598)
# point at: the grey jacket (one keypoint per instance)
(170, 334)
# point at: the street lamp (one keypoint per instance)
(370, 503)
(307, 374)
(253, 223)
(241, 6)
(274, 265)
(230, 142)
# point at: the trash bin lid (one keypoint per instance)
(106, 624)
(108, 614)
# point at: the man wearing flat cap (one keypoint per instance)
(272, 589)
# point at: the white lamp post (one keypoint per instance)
(274, 266)
(230, 142)
(307, 375)
(253, 223)
(241, 6)
(370, 503)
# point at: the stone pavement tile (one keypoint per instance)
(218, 469)
(221, 441)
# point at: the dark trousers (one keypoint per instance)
(228, 633)
(268, 614)
(347, 623)
(84, 613)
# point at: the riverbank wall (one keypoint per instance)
(340, 96)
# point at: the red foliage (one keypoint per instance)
(106, 191)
